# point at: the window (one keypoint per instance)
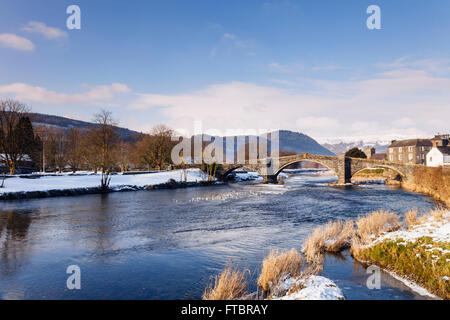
(411, 156)
(410, 149)
(400, 157)
(391, 157)
(400, 149)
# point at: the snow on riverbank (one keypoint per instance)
(311, 288)
(437, 229)
(418, 256)
(77, 181)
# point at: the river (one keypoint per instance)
(165, 244)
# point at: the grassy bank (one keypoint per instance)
(431, 181)
(420, 252)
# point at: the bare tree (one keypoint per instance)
(74, 152)
(89, 152)
(2, 180)
(11, 112)
(154, 149)
(145, 152)
(163, 144)
(123, 152)
(104, 138)
(58, 140)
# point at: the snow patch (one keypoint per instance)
(310, 288)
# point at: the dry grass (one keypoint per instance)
(334, 237)
(437, 214)
(230, 284)
(375, 224)
(411, 218)
(276, 266)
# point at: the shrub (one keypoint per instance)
(334, 237)
(278, 265)
(411, 218)
(230, 284)
(375, 224)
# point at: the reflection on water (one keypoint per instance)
(165, 244)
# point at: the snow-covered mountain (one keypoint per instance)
(340, 147)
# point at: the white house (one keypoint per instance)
(438, 157)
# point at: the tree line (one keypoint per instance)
(98, 148)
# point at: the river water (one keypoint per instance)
(166, 244)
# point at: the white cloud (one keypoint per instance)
(229, 36)
(23, 91)
(43, 29)
(13, 41)
(397, 103)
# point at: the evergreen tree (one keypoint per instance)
(355, 153)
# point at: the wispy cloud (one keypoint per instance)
(44, 30)
(229, 36)
(13, 41)
(230, 41)
(23, 91)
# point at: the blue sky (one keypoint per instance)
(309, 66)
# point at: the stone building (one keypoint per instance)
(412, 151)
(371, 154)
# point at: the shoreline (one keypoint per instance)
(411, 284)
(25, 195)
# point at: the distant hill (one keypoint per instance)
(39, 119)
(289, 140)
(300, 143)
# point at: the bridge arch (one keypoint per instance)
(229, 170)
(284, 166)
(402, 175)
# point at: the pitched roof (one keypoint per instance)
(378, 156)
(444, 150)
(411, 142)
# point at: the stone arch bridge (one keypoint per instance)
(343, 167)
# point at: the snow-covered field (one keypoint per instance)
(77, 181)
(311, 288)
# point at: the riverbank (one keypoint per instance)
(415, 250)
(419, 254)
(434, 182)
(54, 185)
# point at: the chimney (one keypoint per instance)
(434, 142)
